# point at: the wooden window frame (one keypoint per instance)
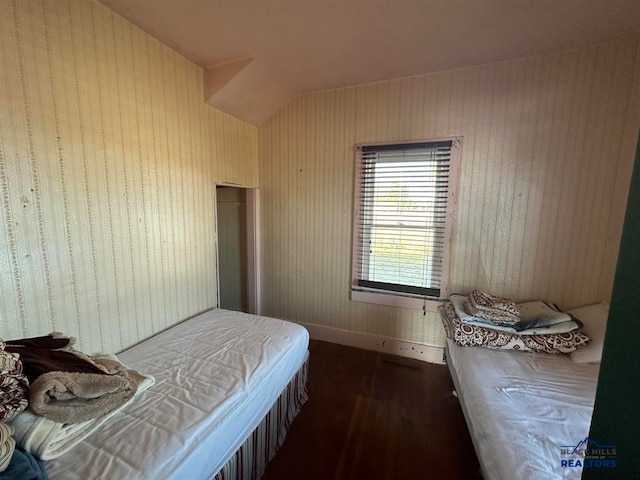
(398, 299)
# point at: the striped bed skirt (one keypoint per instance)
(251, 459)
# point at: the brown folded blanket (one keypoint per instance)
(51, 353)
(68, 386)
(53, 341)
(74, 397)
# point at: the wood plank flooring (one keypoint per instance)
(375, 416)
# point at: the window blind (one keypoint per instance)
(401, 219)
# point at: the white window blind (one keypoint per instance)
(400, 227)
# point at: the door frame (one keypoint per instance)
(253, 245)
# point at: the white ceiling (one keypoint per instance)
(300, 46)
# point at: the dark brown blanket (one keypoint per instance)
(51, 353)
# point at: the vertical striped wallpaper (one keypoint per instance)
(108, 164)
(546, 161)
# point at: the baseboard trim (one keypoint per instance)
(377, 343)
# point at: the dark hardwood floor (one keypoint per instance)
(375, 416)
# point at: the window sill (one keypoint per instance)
(400, 301)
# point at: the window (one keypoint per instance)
(404, 199)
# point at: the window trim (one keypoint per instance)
(398, 299)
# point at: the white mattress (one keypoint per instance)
(522, 408)
(217, 375)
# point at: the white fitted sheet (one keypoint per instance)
(522, 408)
(217, 375)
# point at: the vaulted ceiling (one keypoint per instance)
(258, 54)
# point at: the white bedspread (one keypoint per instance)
(523, 408)
(217, 376)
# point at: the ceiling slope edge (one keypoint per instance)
(217, 77)
(250, 89)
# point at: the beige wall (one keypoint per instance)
(547, 154)
(108, 160)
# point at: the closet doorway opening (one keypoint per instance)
(237, 248)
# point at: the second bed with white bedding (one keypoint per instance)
(522, 408)
(217, 375)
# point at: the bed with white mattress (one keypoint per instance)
(219, 376)
(522, 408)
